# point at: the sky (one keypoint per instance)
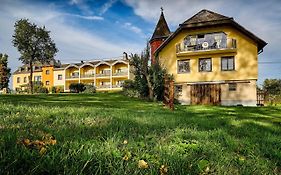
(103, 29)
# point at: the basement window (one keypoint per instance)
(178, 90)
(232, 86)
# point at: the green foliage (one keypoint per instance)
(91, 131)
(149, 80)
(157, 74)
(89, 89)
(130, 89)
(34, 44)
(54, 89)
(77, 87)
(140, 79)
(272, 86)
(5, 72)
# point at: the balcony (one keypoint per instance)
(103, 87)
(105, 73)
(124, 72)
(72, 77)
(117, 86)
(88, 76)
(206, 46)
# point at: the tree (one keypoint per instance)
(272, 86)
(34, 44)
(5, 72)
(149, 80)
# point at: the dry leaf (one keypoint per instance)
(163, 170)
(142, 164)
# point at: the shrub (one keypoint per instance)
(43, 90)
(77, 87)
(90, 89)
(129, 88)
(54, 89)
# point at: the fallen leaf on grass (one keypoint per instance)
(163, 170)
(142, 164)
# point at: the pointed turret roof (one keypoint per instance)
(161, 29)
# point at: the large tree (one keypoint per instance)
(5, 72)
(34, 44)
(272, 86)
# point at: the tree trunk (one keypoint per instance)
(150, 90)
(30, 77)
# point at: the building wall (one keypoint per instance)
(22, 75)
(56, 81)
(245, 58)
(245, 94)
(48, 77)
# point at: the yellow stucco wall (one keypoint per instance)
(21, 76)
(48, 77)
(58, 82)
(245, 58)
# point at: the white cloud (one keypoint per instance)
(106, 6)
(133, 28)
(74, 42)
(81, 5)
(94, 18)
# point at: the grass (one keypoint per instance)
(90, 131)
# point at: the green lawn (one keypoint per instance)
(90, 131)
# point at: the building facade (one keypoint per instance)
(105, 75)
(212, 58)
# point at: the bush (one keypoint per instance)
(54, 89)
(129, 89)
(42, 90)
(89, 89)
(77, 87)
(57, 89)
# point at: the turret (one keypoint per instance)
(160, 34)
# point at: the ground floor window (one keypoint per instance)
(232, 86)
(178, 90)
(47, 83)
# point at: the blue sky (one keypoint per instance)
(95, 29)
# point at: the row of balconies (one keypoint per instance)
(106, 73)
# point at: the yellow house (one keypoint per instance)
(105, 75)
(212, 58)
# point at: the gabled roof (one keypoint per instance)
(206, 18)
(162, 29)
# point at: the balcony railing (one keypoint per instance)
(206, 45)
(104, 74)
(123, 72)
(88, 76)
(72, 77)
(103, 86)
(117, 86)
